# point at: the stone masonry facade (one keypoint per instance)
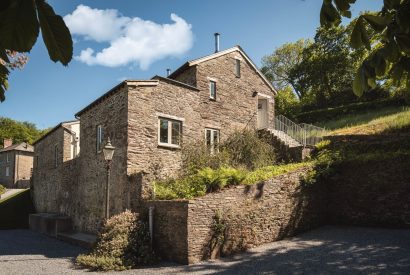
(252, 215)
(16, 163)
(129, 114)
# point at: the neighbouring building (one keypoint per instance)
(16, 163)
(148, 121)
(54, 154)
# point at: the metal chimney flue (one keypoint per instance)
(168, 72)
(216, 42)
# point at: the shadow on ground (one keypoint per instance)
(328, 250)
(31, 244)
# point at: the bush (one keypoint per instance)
(2, 189)
(209, 180)
(242, 149)
(123, 243)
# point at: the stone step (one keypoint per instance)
(85, 240)
(49, 223)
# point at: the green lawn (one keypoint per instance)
(373, 122)
(14, 210)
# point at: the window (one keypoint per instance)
(212, 89)
(100, 138)
(55, 156)
(8, 157)
(212, 140)
(169, 132)
(7, 171)
(237, 68)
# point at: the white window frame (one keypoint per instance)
(210, 89)
(99, 138)
(237, 68)
(212, 141)
(7, 171)
(169, 137)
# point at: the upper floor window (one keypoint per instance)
(169, 132)
(8, 157)
(237, 68)
(100, 138)
(7, 171)
(212, 140)
(212, 89)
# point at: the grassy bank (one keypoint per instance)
(14, 210)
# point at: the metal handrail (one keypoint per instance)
(305, 134)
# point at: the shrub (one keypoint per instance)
(246, 149)
(242, 149)
(2, 189)
(123, 243)
(210, 180)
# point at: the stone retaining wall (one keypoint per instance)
(252, 215)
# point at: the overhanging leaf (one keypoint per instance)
(403, 41)
(329, 16)
(391, 4)
(19, 26)
(55, 33)
(396, 73)
(359, 82)
(377, 22)
(359, 35)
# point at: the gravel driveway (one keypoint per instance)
(328, 250)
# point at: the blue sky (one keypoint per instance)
(47, 93)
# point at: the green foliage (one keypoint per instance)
(286, 103)
(20, 24)
(19, 131)
(2, 189)
(14, 211)
(386, 36)
(209, 180)
(325, 74)
(344, 112)
(243, 149)
(278, 65)
(247, 149)
(123, 243)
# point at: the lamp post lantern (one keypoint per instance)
(108, 151)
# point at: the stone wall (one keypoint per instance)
(253, 215)
(7, 181)
(24, 164)
(47, 176)
(112, 115)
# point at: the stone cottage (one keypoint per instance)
(148, 121)
(16, 163)
(54, 155)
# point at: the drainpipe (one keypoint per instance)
(151, 223)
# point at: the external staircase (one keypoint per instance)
(293, 141)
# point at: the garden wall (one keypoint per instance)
(251, 216)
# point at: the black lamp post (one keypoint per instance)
(108, 151)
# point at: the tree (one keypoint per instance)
(327, 68)
(20, 24)
(388, 44)
(286, 103)
(19, 131)
(277, 66)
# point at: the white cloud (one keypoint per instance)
(132, 40)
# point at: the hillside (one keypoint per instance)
(365, 167)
